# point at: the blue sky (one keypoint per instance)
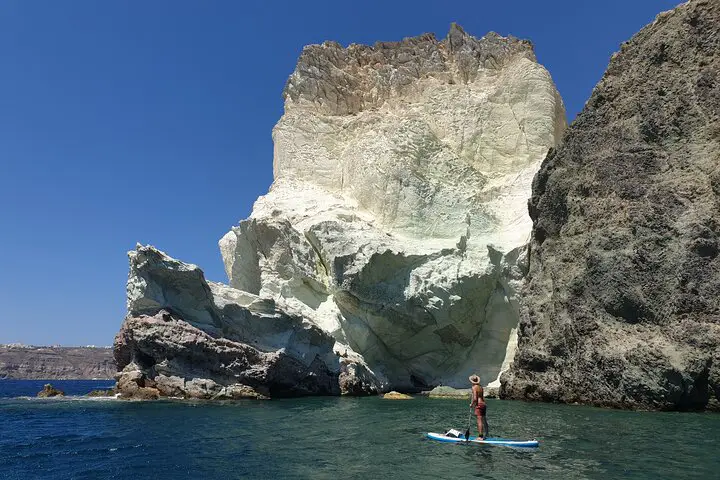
(125, 122)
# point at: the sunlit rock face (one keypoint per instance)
(397, 221)
(186, 337)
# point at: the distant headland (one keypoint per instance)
(34, 362)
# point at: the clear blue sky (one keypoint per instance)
(150, 121)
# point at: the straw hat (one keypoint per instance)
(474, 379)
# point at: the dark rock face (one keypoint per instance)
(50, 391)
(56, 363)
(622, 305)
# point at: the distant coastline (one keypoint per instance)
(34, 362)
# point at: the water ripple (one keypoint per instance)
(343, 437)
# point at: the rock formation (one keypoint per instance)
(102, 393)
(56, 363)
(389, 249)
(442, 391)
(622, 302)
(50, 391)
(397, 219)
(397, 396)
(187, 337)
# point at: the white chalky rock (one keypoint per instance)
(397, 220)
(184, 336)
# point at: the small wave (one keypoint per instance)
(66, 398)
(98, 399)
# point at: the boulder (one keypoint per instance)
(102, 393)
(50, 391)
(397, 396)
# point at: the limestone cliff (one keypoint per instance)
(397, 219)
(622, 305)
(390, 247)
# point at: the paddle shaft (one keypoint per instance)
(467, 432)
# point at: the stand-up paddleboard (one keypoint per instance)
(442, 437)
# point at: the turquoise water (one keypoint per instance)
(343, 438)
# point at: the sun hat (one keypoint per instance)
(474, 379)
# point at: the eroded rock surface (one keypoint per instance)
(49, 391)
(102, 393)
(397, 219)
(397, 396)
(622, 306)
(186, 337)
(389, 249)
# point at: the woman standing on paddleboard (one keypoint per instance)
(478, 401)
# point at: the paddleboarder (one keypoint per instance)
(478, 402)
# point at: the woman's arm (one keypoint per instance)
(474, 398)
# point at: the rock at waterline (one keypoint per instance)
(449, 392)
(491, 391)
(226, 344)
(50, 391)
(396, 396)
(102, 393)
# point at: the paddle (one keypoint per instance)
(467, 432)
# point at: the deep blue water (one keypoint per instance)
(344, 438)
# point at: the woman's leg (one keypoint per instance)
(481, 424)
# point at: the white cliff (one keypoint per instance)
(185, 336)
(397, 220)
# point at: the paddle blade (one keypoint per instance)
(467, 434)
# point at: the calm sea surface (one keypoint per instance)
(332, 438)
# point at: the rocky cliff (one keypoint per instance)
(622, 302)
(389, 249)
(56, 363)
(185, 336)
(397, 218)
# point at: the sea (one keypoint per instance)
(337, 438)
